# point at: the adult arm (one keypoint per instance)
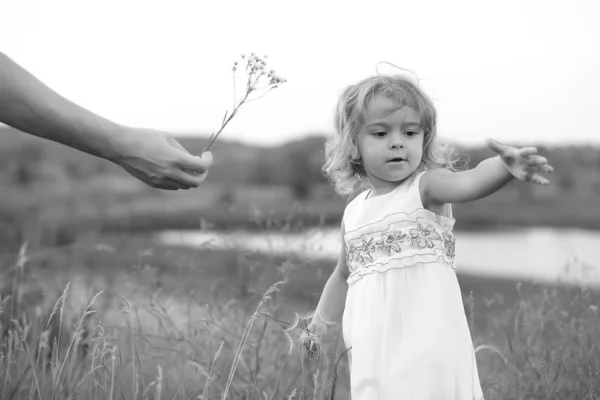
(154, 157)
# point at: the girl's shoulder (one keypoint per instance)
(425, 175)
(439, 209)
(354, 200)
(356, 197)
(424, 179)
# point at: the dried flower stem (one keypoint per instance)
(255, 74)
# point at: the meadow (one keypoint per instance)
(92, 307)
(116, 316)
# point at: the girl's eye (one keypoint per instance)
(380, 133)
(411, 133)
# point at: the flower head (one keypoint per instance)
(258, 83)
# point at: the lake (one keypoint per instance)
(535, 254)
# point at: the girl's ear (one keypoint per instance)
(355, 154)
(357, 165)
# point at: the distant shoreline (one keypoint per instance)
(223, 220)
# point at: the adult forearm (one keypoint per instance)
(30, 106)
(332, 302)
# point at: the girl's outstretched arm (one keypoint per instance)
(440, 186)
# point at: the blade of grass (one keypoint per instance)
(266, 297)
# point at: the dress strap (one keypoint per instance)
(449, 210)
(415, 183)
(417, 178)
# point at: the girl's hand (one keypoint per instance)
(523, 164)
(312, 337)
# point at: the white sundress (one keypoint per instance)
(404, 315)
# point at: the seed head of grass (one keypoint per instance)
(258, 82)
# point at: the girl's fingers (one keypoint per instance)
(540, 180)
(541, 167)
(312, 348)
(497, 147)
(527, 151)
(536, 160)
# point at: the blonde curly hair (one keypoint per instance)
(343, 165)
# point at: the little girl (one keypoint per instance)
(395, 280)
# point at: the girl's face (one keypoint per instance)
(390, 143)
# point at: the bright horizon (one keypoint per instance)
(519, 71)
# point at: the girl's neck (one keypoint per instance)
(382, 188)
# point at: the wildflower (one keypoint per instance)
(257, 86)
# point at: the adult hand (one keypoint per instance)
(524, 164)
(157, 159)
(153, 157)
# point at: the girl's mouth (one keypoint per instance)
(396, 159)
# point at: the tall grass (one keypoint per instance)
(220, 349)
(175, 336)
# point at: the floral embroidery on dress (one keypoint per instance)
(423, 236)
(449, 244)
(395, 241)
(388, 241)
(361, 253)
(366, 251)
(350, 249)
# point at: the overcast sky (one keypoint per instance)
(513, 70)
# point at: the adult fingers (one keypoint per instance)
(167, 184)
(154, 181)
(175, 185)
(196, 164)
(174, 142)
(187, 179)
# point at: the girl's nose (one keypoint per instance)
(396, 141)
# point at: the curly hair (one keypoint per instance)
(342, 158)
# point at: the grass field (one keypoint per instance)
(140, 321)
